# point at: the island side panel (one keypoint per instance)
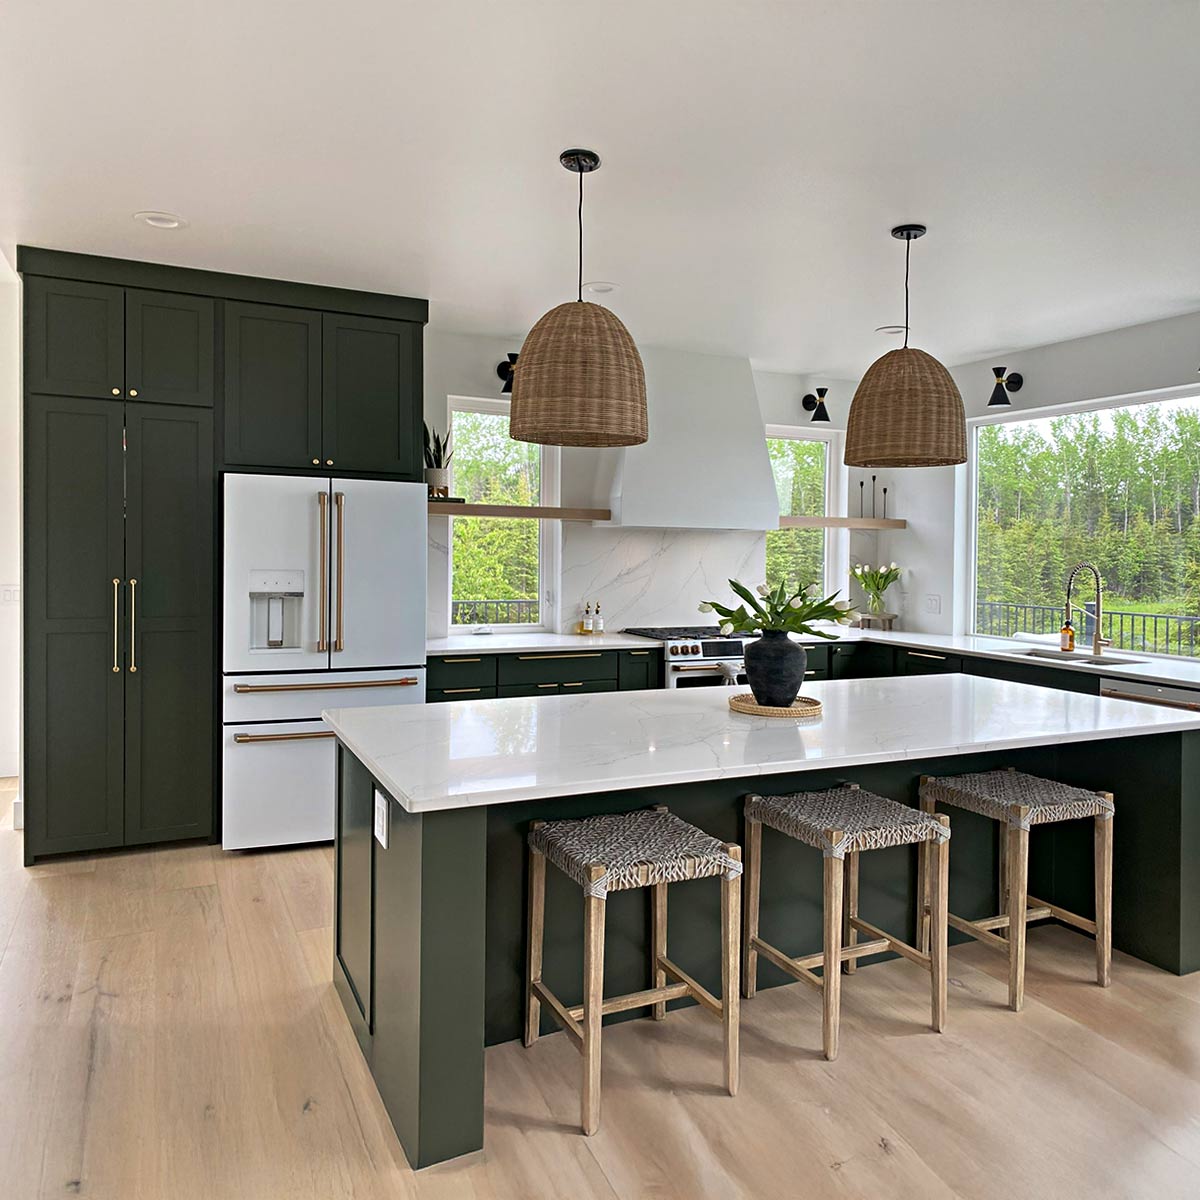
(424, 1039)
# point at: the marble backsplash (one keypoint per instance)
(653, 576)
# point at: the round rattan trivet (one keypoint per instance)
(802, 706)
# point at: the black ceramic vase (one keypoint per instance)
(775, 667)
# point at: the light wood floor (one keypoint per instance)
(167, 1029)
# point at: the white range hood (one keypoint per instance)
(705, 465)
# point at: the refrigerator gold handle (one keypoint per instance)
(116, 618)
(133, 626)
(322, 564)
(339, 638)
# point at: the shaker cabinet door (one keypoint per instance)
(74, 338)
(169, 681)
(272, 386)
(75, 626)
(169, 350)
(372, 395)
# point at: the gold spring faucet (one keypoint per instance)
(1098, 642)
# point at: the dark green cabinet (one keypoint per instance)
(353, 883)
(925, 662)
(557, 666)
(108, 343)
(371, 395)
(305, 389)
(118, 624)
(638, 670)
(859, 660)
(74, 338)
(1034, 673)
(272, 386)
(453, 672)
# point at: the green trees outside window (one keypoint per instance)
(1119, 487)
(797, 556)
(495, 571)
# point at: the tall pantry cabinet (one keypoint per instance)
(119, 554)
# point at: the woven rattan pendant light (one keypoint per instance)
(907, 411)
(578, 380)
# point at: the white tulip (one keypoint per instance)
(763, 590)
(842, 605)
(892, 566)
(857, 567)
(706, 607)
(812, 591)
(866, 566)
(727, 627)
(796, 601)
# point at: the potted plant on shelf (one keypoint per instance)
(437, 462)
(775, 665)
(875, 583)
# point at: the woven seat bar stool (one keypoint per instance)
(649, 848)
(842, 822)
(1022, 801)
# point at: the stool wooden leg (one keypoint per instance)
(537, 919)
(850, 934)
(923, 868)
(1018, 890)
(939, 874)
(593, 1002)
(658, 943)
(1002, 878)
(753, 874)
(831, 974)
(731, 903)
(1104, 852)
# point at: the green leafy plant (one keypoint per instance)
(781, 609)
(876, 581)
(437, 449)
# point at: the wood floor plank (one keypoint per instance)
(304, 880)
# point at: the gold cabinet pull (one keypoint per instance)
(572, 685)
(133, 626)
(247, 689)
(637, 653)
(460, 691)
(116, 609)
(547, 685)
(132, 393)
(322, 564)
(459, 660)
(546, 657)
(923, 654)
(244, 739)
(1161, 701)
(339, 638)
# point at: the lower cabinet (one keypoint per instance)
(549, 689)
(1051, 677)
(354, 883)
(119, 608)
(926, 662)
(859, 660)
(638, 670)
(485, 676)
(443, 695)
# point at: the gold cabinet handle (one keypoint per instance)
(459, 660)
(245, 689)
(572, 685)
(339, 638)
(244, 739)
(460, 691)
(316, 462)
(133, 626)
(1161, 701)
(116, 608)
(116, 391)
(322, 564)
(547, 685)
(546, 657)
(638, 653)
(922, 654)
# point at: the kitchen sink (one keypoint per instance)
(1079, 656)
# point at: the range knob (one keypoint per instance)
(674, 649)
(695, 649)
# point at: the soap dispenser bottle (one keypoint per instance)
(598, 622)
(587, 619)
(1066, 636)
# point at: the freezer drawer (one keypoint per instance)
(278, 784)
(306, 694)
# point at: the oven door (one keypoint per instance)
(722, 673)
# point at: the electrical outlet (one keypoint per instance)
(933, 604)
(382, 823)
(10, 594)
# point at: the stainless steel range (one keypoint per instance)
(698, 655)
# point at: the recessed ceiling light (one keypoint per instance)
(601, 287)
(159, 220)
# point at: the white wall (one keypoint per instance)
(1124, 362)
(10, 518)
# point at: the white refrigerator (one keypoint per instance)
(324, 606)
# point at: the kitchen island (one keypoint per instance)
(434, 803)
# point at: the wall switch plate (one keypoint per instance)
(10, 594)
(382, 822)
(933, 604)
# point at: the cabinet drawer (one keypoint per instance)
(558, 666)
(818, 659)
(564, 688)
(639, 669)
(816, 673)
(303, 695)
(462, 670)
(446, 695)
(926, 662)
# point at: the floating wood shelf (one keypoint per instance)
(842, 523)
(441, 508)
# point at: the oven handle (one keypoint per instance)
(710, 667)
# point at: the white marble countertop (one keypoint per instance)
(517, 643)
(447, 756)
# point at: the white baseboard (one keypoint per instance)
(18, 813)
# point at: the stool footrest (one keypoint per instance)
(563, 1015)
(1064, 915)
(849, 953)
(1002, 922)
(701, 994)
(894, 943)
(784, 963)
(645, 999)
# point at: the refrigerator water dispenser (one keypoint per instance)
(276, 608)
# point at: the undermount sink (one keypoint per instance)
(1079, 656)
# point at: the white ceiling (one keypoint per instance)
(755, 156)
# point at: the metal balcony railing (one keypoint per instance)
(494, 612)
(1153, 633)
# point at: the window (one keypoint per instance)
(501, 569)
(800, 464)
(1118, 486)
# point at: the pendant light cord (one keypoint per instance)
(580, 296)
(907, 252)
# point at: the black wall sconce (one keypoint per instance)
(504, 370)
(816, 405)
(1010, 382)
